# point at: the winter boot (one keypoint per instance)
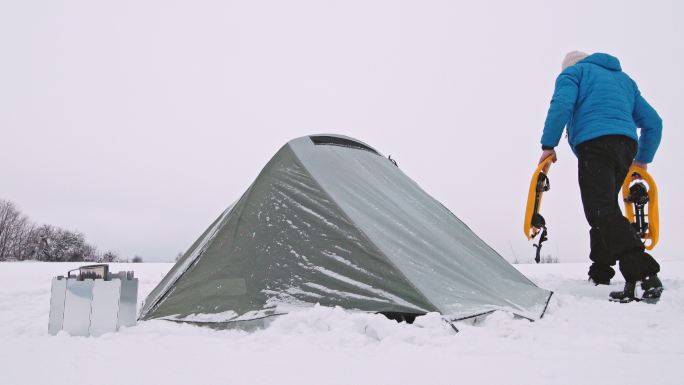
(624, 296)
(652, 289)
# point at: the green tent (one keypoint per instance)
(331, 221)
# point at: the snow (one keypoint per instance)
(583, 339)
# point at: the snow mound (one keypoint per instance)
(582, 339)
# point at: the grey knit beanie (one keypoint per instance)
(572, 58)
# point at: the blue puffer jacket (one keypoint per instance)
(595, 98)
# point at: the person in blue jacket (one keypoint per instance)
(602, 108)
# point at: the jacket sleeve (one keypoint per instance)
(651, 125)
(562, 106)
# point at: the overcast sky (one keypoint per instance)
(138, 122)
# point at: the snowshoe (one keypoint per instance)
(534, 221)
(641, 205)
(624, 296)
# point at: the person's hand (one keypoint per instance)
(545, 154)
(643, 166)
(640, 165)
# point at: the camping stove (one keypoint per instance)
(91, 301)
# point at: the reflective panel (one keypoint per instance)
(128, 312)
(93, 307)
(57, 305)
(79, 295)
(105, 307)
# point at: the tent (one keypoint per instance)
(331, 221)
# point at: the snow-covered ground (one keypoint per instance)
(583, 339)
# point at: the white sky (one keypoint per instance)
(138, 122)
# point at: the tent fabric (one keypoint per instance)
(331, 221)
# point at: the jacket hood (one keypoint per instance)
(604, 60)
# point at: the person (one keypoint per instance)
(602, 108)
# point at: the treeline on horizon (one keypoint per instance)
(22, 240)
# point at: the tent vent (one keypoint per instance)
(337, 141)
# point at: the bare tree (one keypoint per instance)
(14, 227)
(548, 258)
(22, 249)
(41, 242)
(137, 259)
(109, 256)
(67, 246)
(21, 240)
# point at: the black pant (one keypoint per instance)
(603, 166)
